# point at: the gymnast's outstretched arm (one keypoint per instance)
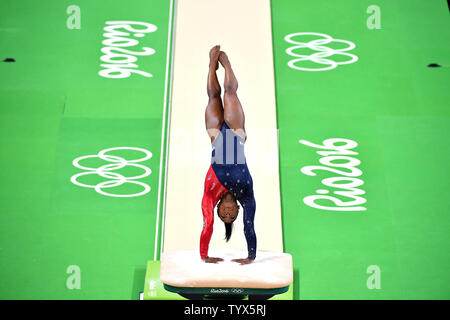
(249, 205)
(212, 191)
(208, 222)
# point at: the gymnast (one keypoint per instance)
(228, 179)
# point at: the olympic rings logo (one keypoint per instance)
(323, 51)
(237, 291)
(116, 178)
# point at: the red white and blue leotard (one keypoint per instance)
(228, 173)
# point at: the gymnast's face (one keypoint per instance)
(228, 208)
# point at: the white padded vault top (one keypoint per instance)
(185, 268)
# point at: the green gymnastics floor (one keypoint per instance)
(62, 240)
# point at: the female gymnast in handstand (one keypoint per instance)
(228, 179)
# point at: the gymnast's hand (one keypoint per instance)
(212, 260)
(243, 261)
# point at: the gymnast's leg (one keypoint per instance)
(214, 114)
(214, 111)
(233, 113)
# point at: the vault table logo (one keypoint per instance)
(116, 179)
(323, 51)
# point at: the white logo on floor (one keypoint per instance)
(323, 51)
(120, 62)
(116, 178)
(347, 182)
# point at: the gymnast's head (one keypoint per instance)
(227, 210)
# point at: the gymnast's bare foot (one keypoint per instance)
(223, 58)
(212, 260)
(214, 57)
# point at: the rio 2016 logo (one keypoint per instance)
(347, 183)
(120, 62)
